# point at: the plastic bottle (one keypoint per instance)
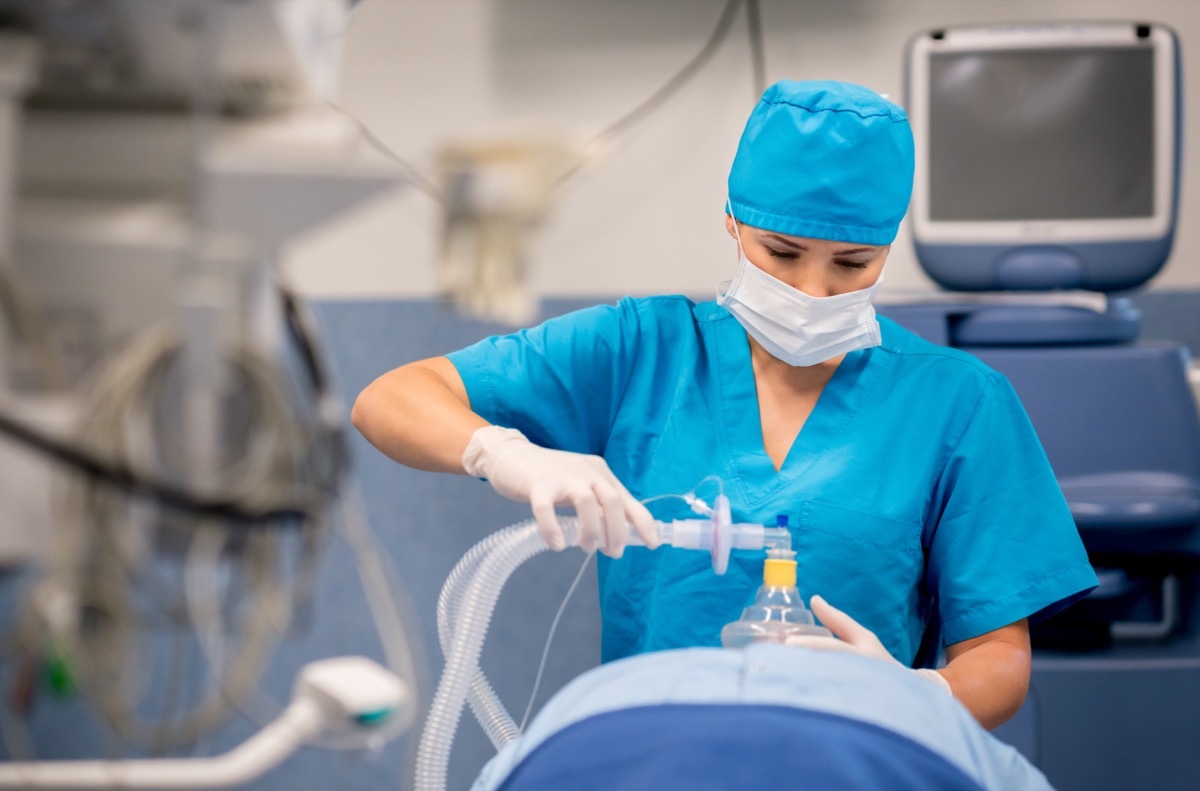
(778, 610)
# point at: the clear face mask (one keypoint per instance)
(795, 327)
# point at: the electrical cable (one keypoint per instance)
(174, 496)
(233, 684)
(93, 568)
(282, 470)
(758, 56)
(418, 179)
(272, 458)
(20, 308)
(303, 334)
(302, 327)
(107, 481)
(634, 116)
(649, 105)
(169, 495)
(385, 598)
(106, 673)
(680, 78)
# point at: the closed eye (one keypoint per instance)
(853, 264)
(781, 254)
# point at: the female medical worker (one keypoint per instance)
(916, 489)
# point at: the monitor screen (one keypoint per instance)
(1041, 134)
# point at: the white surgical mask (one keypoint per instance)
(793, 326)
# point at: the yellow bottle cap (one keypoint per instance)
(779, 573)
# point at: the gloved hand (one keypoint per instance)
(522, 471)
(855, 638)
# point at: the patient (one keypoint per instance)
(709, 718)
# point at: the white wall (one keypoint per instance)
(648, 218)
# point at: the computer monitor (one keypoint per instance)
(1047, 154)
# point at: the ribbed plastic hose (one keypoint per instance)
(477, 603)
(492, 715)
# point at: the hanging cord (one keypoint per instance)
(388, 604)
(669, 88)
(758, 57)
(94, 565)
(418, 179)
(537, 681)
(693, 501)
(680, 78)
(640, 112)
(118, 474)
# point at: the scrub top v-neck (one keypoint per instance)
(916, 489)
(741, 427)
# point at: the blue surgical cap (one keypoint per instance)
(824, 160)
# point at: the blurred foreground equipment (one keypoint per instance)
(171, 444)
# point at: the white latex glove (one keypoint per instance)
(522, 471)
(854, 638)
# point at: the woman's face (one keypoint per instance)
(818, 267)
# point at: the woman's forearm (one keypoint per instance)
(418, 415)
(990, 674)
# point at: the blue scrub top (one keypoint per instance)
(916, 490)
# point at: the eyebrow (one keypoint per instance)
(786, 242)
(797, 246)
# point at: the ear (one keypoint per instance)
(730, 226)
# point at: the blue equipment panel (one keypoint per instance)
(1116, 677)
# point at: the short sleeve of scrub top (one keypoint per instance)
(916, 489)
(982, 519)
(560, 382)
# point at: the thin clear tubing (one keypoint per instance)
(465, 608)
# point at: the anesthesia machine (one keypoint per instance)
(1046, 191)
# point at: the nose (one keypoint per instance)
(810, 283)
